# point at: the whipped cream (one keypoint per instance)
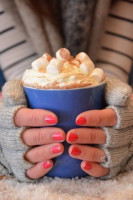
(62, 71)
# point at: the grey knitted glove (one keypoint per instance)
(12, 148)
(118, 147)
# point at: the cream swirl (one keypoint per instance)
(64, 71)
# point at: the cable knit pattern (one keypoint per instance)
(112, 173)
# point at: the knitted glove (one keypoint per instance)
(119, 144)
(12, 148)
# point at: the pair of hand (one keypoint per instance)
(46, 142)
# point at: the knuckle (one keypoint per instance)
(93, 155)
(33, 155)
(35, 139)
(92, 136)
(99, 120)
(33, 118)
(38, 137)
(39, 153)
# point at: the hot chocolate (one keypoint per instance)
(63, 72)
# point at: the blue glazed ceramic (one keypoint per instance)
(66, 104)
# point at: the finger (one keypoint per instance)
(40, 136)
(39, 169)
(84, 152)
(34, 117)
(94, 169)
(97, 118)
(86, 136)
(44, 152)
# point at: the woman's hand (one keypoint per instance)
(46, 140)
(80, 138)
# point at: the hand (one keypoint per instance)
(47, 139)
(80, 138)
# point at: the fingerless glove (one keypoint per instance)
(118, 147)
(12, 148)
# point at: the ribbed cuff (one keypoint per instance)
(112, 173)
(117, 138)
(115, 156)
(7, 116)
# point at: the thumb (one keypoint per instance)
(117, 92)
(13, 93)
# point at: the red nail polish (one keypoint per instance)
(46, 165)
(87, 166)
(56, 149)
(57, 136)
(72, 137)
(50, 119)
(81, 121)
(75, 151)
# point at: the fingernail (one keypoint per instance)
(72, 137)
(75, 151)
(87, 166)
(57, 136)
(56, 149)
(50, 119)
(46, 165)
(81, 121)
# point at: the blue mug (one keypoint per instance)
(66, 104)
